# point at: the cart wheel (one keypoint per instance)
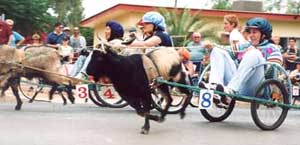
(92, 97)
(31, 88)
(218, 112)
(109, 97)
(160, 103)
(267, 116)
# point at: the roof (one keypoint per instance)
(126, 8)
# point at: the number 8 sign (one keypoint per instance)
(206, 99)
(82, 91)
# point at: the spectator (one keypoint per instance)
(67, 31)
(54, 39)
(276, 40)
(17, 39)
(65, 50)
(197, 52)
(295, 78)
(5, 33)
(291, 55)
(185, 56)
(36, 40)
(77, 41)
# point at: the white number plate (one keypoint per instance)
(206, 99)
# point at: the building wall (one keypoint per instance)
(129, 19)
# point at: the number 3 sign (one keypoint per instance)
(82, 91)
(206, 98)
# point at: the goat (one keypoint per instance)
(131, 76)
(44, 58)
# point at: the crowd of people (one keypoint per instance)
(244, 47)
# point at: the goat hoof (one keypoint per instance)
(17, 108)
(182, 115)
(144, 131)
(161, 119)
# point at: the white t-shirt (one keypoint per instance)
(65, 50)
(235, 35)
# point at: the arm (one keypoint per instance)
(83, 42)
(10, 39)
(151, 42)
(19, 38)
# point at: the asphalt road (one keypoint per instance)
(87, 124)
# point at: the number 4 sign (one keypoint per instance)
(206, 99)
(82, 91)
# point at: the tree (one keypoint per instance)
(283, 6)
(30, 16)
(182, 23)
(293, 7)
(68, 11)
(273, 5)
(222, 5)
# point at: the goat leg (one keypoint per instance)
(14, 82)
(164, 90)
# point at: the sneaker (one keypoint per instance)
(225, 99)
(216, 98)
(82, 76)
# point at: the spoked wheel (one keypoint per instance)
(160, 103)
(267, 116)
(218, 112)
(108, 96)
(93, 98)
(31, 88)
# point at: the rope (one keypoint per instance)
(233, 96)
(57, 74)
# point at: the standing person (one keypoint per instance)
(65, 50)
(54, 39)
(197, 52)
(17, 38)
(36, 40)
(114, 33)
(77, 41)
(67, 31)
(291, 55)
(5, 33)
(276, 40)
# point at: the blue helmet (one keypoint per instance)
(156, 19)
(262, 25)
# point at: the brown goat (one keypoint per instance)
(44, 58)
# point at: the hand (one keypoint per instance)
(129, 41)
(292, 57)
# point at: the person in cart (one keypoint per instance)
(239, 80)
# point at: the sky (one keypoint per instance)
(93, 7)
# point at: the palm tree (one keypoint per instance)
(180, 23)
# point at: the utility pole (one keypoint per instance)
(175, 4)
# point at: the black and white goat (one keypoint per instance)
(132, 75)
